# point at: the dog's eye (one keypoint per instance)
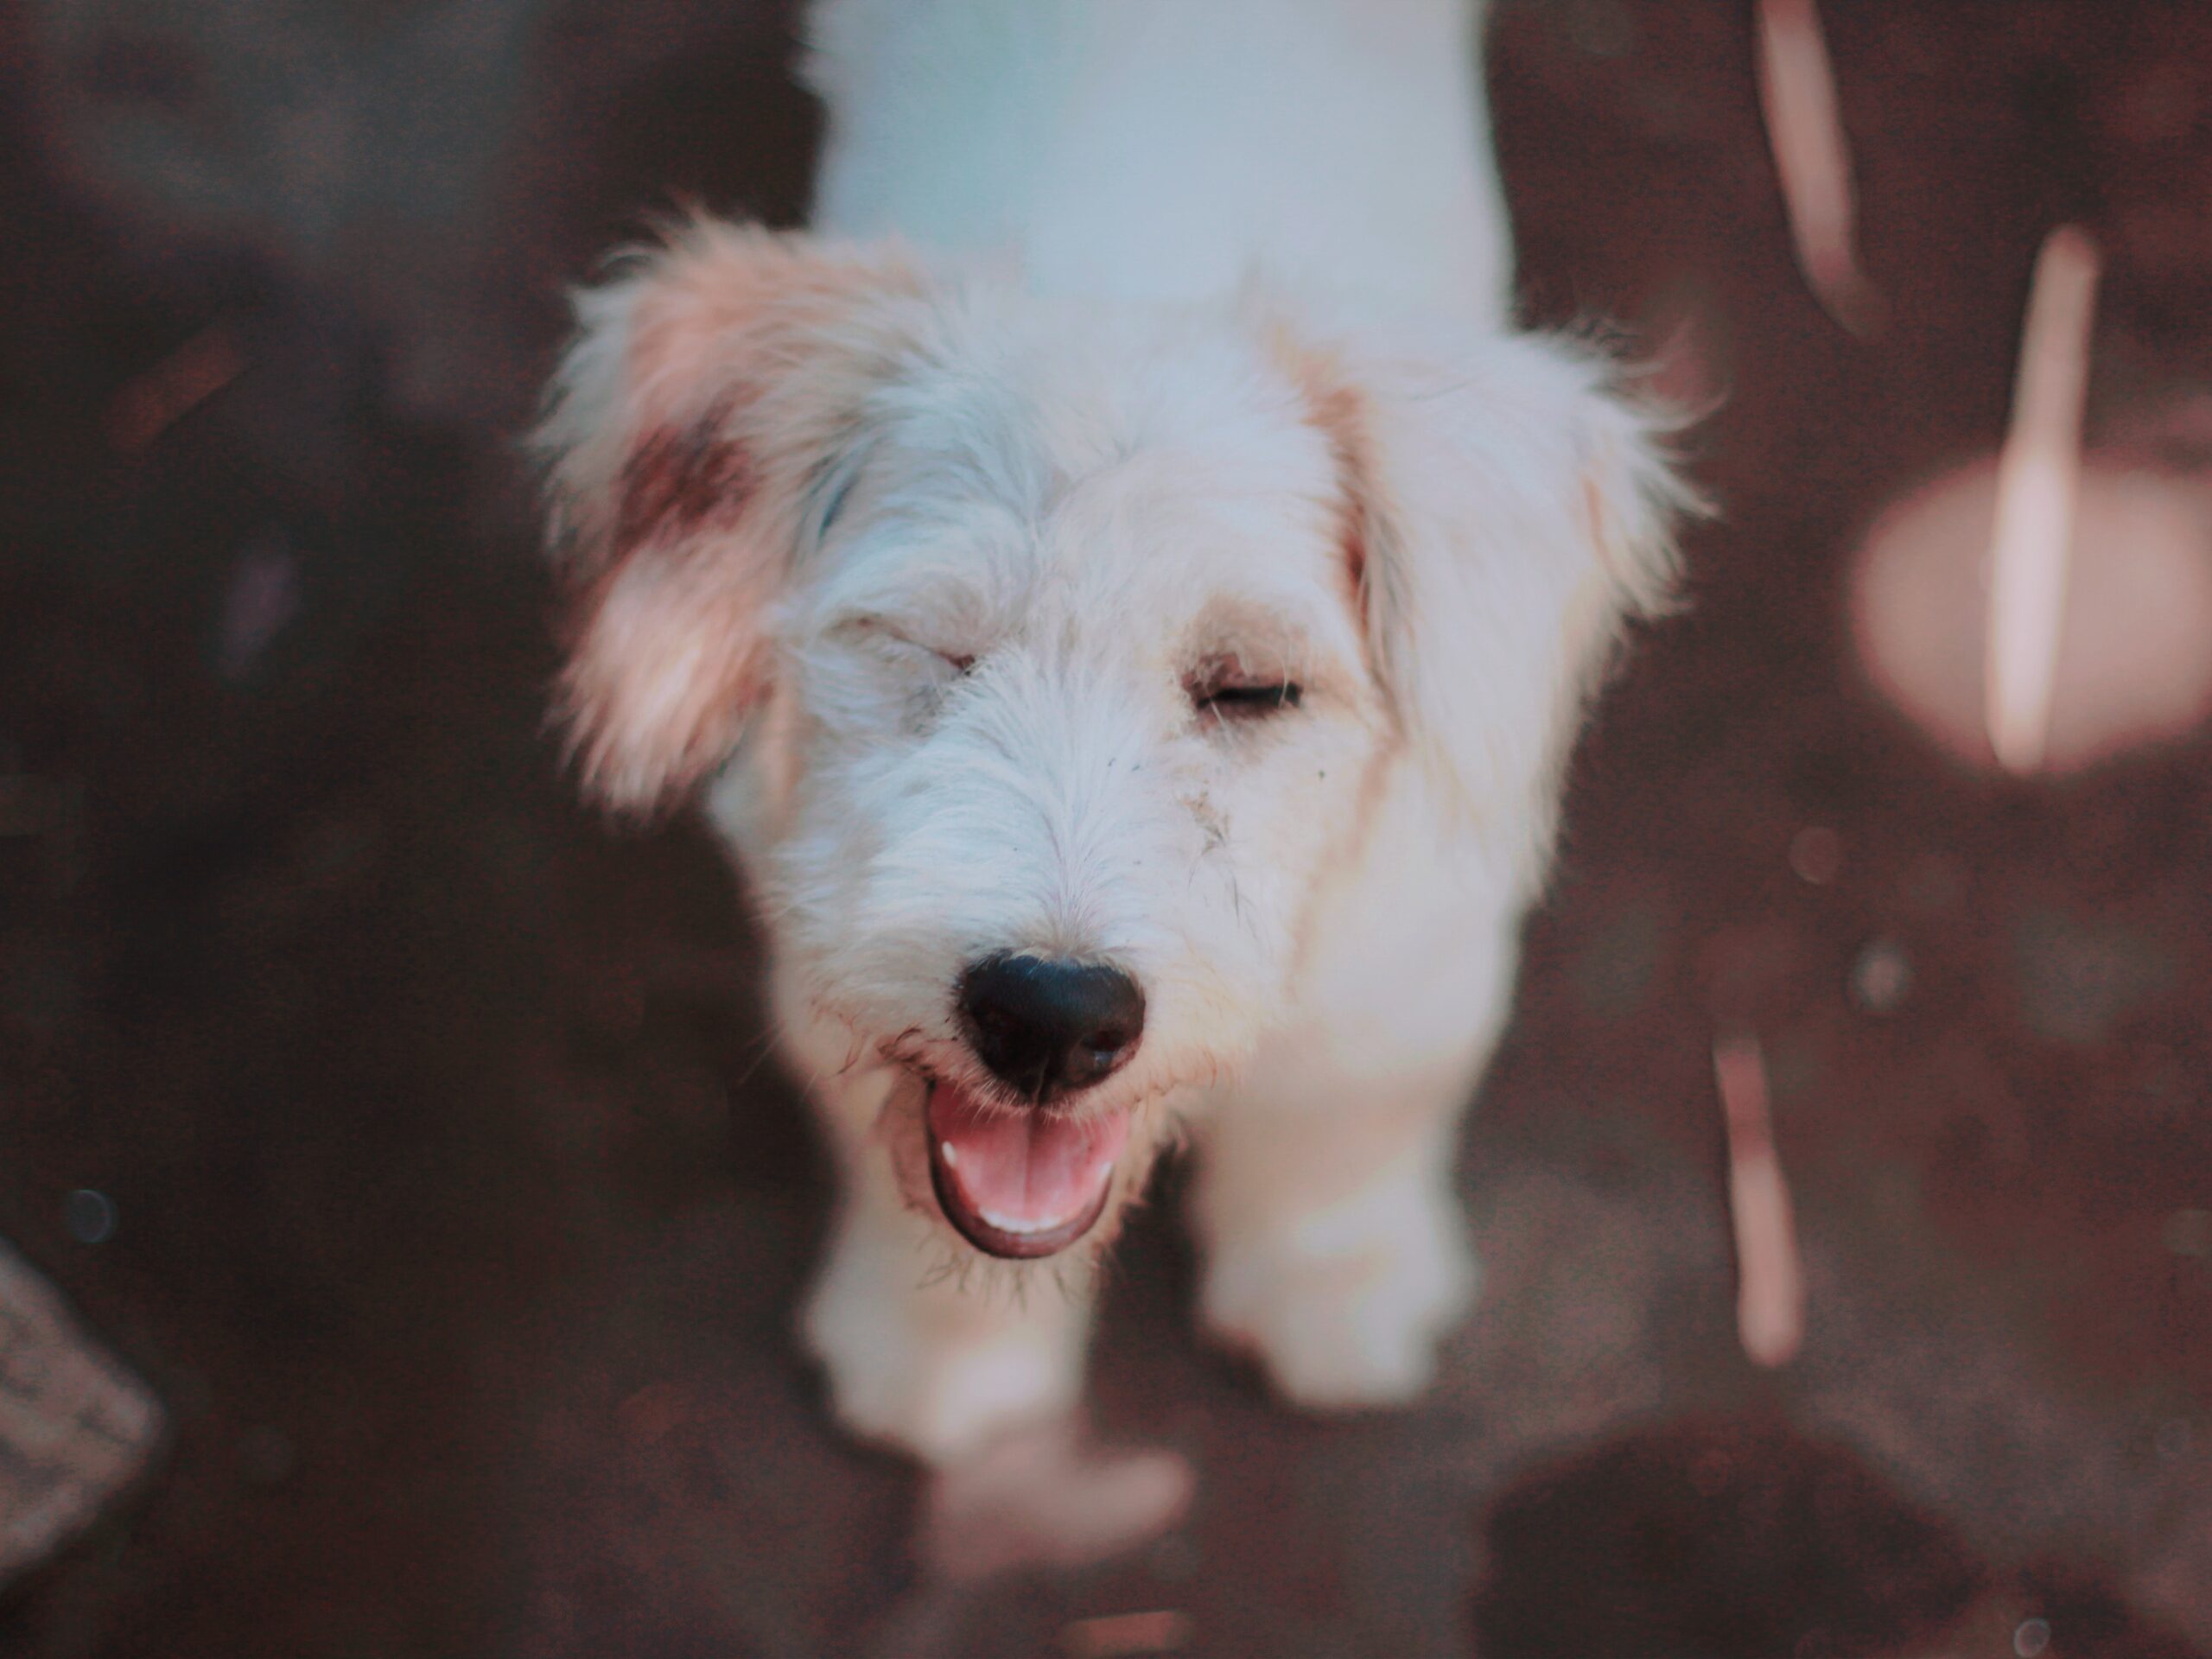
(958, 662)
(873, 631)
(1226, 693)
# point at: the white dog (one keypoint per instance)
(1128, 631)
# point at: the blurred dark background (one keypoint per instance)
(452, 1214)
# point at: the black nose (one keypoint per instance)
(1049, 1028)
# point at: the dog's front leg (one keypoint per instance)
(928, 1347)
(1335, 1247)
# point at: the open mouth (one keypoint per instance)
(1020, 1183)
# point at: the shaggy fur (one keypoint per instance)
(917, 560)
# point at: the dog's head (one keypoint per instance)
(1050, 658)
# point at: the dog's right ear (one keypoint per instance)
(710, 395)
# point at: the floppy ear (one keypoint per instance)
(698, 418)
(1509, 511)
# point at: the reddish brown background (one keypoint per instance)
(458, 1221)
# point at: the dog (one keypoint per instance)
(1124, 593)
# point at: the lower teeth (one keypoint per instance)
(1008, 1224)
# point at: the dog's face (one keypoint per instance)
(1078, 714)
(1053, 658)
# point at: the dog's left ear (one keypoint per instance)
(696, 428)
(1509, 511)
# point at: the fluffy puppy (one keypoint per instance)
(1129, 634)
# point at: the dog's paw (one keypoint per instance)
(934, 1394)
(1342, 1325)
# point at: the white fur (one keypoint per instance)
(1163, 149)
(912, 554)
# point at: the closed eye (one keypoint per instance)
(1226, 692)
(867, 629)
(1254, 699)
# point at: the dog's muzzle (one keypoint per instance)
(1029, 1179)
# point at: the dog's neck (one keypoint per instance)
(1172, 149)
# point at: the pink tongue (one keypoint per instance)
(1023, 1171)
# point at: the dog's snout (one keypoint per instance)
(1049, 1028)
